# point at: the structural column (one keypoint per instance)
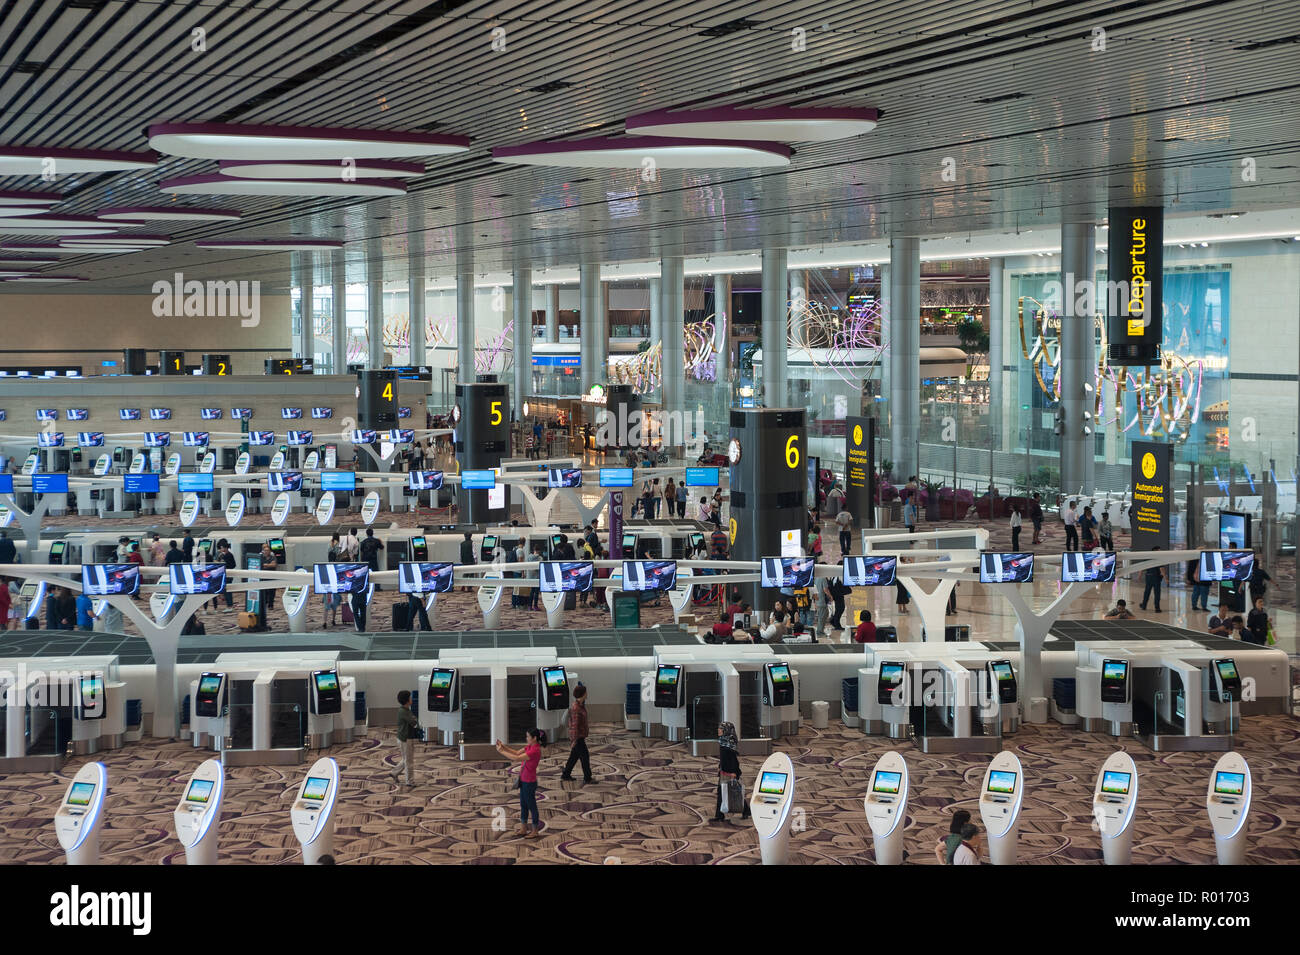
(307, 288)
(589, 321)
(552, 314)
(672, 295)
(1078, 357)
(375, 304)
(656, 326)
(774, 327)
(903, 322)
(997, 322)
(522, 295)
(722, 330)
(415, 295)
(339, 310)
(465, 326)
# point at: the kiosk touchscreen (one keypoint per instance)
(77, 820)
(199, 813)
(419, 548)
(313, 810)
(1000, 799)
(91, 704)
(1114, 681)
(441, 697)
(1113, 801)
(553, 688)
(886, 807)
(770, 807)
(1002, 679)
(670, 687)
(890, 684)
(778, 684)
(488, 548)
(326, 693)
(1225, 681)
(210, 700)
(1228, 802)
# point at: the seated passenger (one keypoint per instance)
(1220, 624)
(777, 623)
(722, 630)
(866, 631)
(1120, 612)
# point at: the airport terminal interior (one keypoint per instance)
(798, 432)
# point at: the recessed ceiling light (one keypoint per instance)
(783, 124)
(177, 213)
(320, 169)
(270, 245)
(633, 152)
(229, 141)
(39, 160)
(227, 186)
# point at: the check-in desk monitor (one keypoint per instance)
(869, 571)
(629, 543)
(326, 693)
(891, 684)
(77, 820)
(441, 697)
(560, 576)
(649, 575)
(419, 548)
(488, 549)
(553, 688)
(1002, 679)
(425, 578)
(1114, 681)
(210, 700)
(778, 684)
(670, 687)
(91, 703)
(1225, 681)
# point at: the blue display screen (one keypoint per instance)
(49, 484)
(6, 483)
(478, 480)
(701, 477)
(338, 480)
(140, 483)
(616, 477)
(188, 483)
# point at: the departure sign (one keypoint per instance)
(1135, 257)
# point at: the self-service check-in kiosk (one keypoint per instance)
(770, 806)
(442, 702)
(1222, 702)
(199, 813)
(1000, 799)
(1003, 693)
(780, 713)
(552, 698)
(1116, 690)
(1228, 802)
(313, 810)
(894, 697)
(325, 695)
(211, 708)
(81, 813)
(670, 697)
(886, 806)
(1113, 803)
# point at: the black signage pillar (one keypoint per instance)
(769, 483)
(377, 399)
(1153, 467)
(1134, 302)
(621, 427)
(482, 440)
(860, 469)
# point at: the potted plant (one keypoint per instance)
(931, 489)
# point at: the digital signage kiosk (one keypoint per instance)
(1228, 802)
(770, 805)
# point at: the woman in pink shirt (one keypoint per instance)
(529, 756)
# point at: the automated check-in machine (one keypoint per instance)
(1113, 803)
(670, 697)
(80, 814)
(770, 806)
(325, 695)
(442, 699)
(313, 810)
(1117, 696)
(1003, 695)
(199, 813)
(780, 712)
(552, 698)
(211, 708)
(1222, 697)
(1000, 799)
(894, 696)
(1228, 802)
(886, 806)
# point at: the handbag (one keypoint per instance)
(1270, 640)
(735, 794)
(347, 613)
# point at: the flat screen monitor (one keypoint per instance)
(195, 439)
(78, 414)
(47, 414)
(1002, 781)
(241, 414)
(1234, 530)
(616, 477)
(90, 439)
(555, 678)
(210, 414)
(649, 575)
(349, 578)
(315, 788)
(425, 578)
(257, 439)
(1006, 568)
(1227, 565)
(772, 784)
(403, 412)
(400, 435)
(696, 540)
(1229, 784)
(106, 580)
(193, 483)
(1078, 567)
(338, 480)
(489, 541)
(1002, 671)
(668, 675)
(197, 578)
(869, 571)
(290, 414)
(1114, 670)
(1116, 784)
(364, 436)
(49, 439)
(80, 794)
(629, 542)
(327, 681)
(778, 572)
(702, 477)
(563, 477)
(157, 439)
(160, 414)
(200, 791)
(209, 683)
(441, 679)
(483, 480)
(140, 483)
(49, 483)
(284, 480)
(6, 483)
(1227, 670)
(559, 576)
(129, 414)
(780, 673)
(299, 438)
(424, 480)
(322, 412)
(887, 783)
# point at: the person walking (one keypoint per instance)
(1258, 625)
(909, 513)
(670, 498)
(226, 557)
(1153, 577)
(838, 591)
(408, 729)
(1087, 529)
(844, 520)
(370, 548)
(467, 555)
(529, 757)
(1070, 518)
(8, 552)
(901, 596)
(1258, 580)
(729, 774)
(681, 500)
(1106, 533)
(156, 552)
(578, 730)
(835, 499)
(1200, 589)
(1015, 528)
(1036, 518)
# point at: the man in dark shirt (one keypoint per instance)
(8, 552)
(227, 558)
(1220, 625)
(1153, 578)
(578, 734)
(187, 547)
(722, 630)
(370, 548)
(408, 728)
(467, 554)
(174, 554)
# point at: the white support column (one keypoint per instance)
(522, 297)
(375, 304)
(465, 344)
(552, 314)
(903, 322)
(775, 328)
(997, 323)
(672, 361)
(415, 296)
(589, 322)
(338, 310)
(722, 330)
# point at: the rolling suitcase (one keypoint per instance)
(401, 615)
(246, 620)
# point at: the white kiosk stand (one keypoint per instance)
(199, 812)
(770, 806)
(886, 806)
(1113, 803)
(1000, 798)
(1228, 802)
(313, 810)
(489, 601)
(553, 604)
(79, 815)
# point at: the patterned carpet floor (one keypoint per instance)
(653, 801)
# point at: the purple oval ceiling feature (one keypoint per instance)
(786, 124)
(320, 169)
(228, 186)
(32, 160)
(632, 152)
(235, 141)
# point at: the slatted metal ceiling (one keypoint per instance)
(1040, 126)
